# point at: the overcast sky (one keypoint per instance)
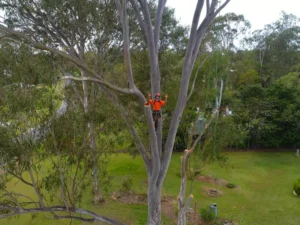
(258, 12)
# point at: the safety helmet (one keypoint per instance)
(157, 95)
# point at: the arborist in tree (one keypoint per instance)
(157, 103)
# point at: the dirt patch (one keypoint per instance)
(212, 180)
(211, 192)
(168, 203)
(129, 197)
(214, 193)
(168, 206)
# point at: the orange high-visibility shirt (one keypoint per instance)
(157, 104)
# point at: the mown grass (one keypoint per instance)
(263, 197)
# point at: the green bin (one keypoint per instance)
(214, 208)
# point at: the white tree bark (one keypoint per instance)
(156, 164)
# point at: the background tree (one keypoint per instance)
(156, 163)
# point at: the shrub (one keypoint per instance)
(297, 187)
(230, 185)
(126, 184)
(207, 215)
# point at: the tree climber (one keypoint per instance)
(157, 103)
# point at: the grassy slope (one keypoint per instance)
(264, 196)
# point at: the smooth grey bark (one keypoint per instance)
(158, 164)
(154, 206)
(196, 35)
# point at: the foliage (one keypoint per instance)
(207, 215)
(226, 29)
(230, 185)
(263, 166)
(191, 174)
(262, 90)
(297, 187)
(126, 184)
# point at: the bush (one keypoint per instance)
(297, 187)
(207, 215)
(126, 184)
(230, 185)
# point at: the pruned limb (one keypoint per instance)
(183, 207)
(188, 202)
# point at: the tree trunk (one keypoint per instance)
(154, 205)
(97, 197)
(95, 172)
(181, 203)
(181, 216)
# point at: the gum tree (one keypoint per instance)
(156, 160)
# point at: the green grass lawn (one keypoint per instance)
(263, 197)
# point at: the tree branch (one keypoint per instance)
(122, 90)
(159, 13)
(95, 217)
(189, 61)
(76, 61)
(140, 19)
(155, 86)
(13, 199)
(16, 176)
(195, 78)
(207, 7)
(182, 97)
(154, 75)
(62, 181)
(195, 23)
(126, 45)
(153, 56)
(41, 202)
(115, 100)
